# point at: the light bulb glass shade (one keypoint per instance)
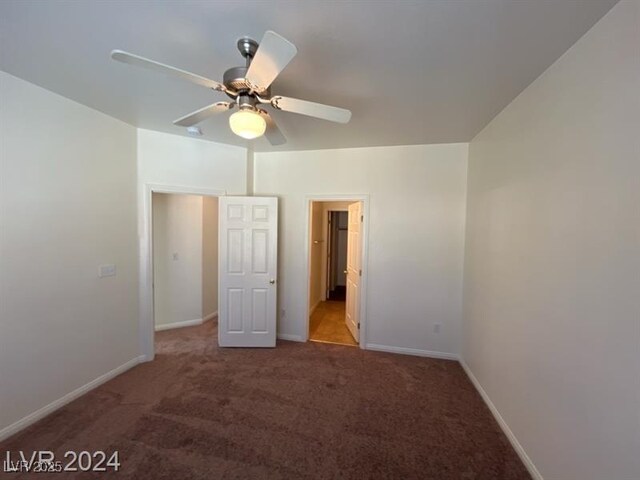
(247, 124)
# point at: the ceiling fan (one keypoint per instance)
(249, 87)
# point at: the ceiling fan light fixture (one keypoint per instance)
(247, 124)
(247, 86)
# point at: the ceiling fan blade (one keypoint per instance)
(312, 109)
(203, 113)
(130, 58)
(273, 133)
(274, 53)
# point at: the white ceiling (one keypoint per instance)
(412, 72)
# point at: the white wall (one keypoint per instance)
(315, 254)
(67, 205)
(209, 256)
(417, 208)
(178, 261)
(192, 165)
(165, 159)
(552, 273)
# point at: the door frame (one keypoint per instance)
(146, 320)
(365, 258)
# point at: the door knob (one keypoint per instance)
(272, 281)
(345, 272)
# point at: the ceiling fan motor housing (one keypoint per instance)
(235, 78)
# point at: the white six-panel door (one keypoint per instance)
(354, 247)
(248, 246)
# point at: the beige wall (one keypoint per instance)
(315, 254)
(67, 205)
(209, 256)
(416, 236)
(178, 262)
(552, 272)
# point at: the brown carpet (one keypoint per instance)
(313, 410)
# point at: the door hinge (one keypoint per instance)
(358, 325)
(360, 272)
(362, 218)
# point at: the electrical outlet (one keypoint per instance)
(175, 256)
(107, 270)
(436, 328)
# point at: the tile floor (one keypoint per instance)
(327, 324)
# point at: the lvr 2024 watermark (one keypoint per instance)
(45, 461)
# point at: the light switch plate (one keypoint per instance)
(107, 270)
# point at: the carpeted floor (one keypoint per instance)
(299, 411)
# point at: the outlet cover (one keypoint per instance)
(107, 271)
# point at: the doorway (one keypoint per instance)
(338, 223)
(335, 271)
(185, 260)
(146, 323)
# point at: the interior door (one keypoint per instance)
(354, 269)
(248, 246)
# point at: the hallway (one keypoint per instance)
(327, 324)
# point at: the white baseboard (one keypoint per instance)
(292, 338)
(528, 463)
(313, 309)
(211, 316)
(411, 351)
(185, 323)
(69, 397)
